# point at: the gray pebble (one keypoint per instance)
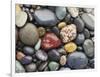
(62, 51)
(55, 30)
(86, 33)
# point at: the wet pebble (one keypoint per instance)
(19, 55)
(55, 30)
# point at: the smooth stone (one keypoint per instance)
(41, 31)
(68, 33)
(31, 67)
(45, 17)
(74, 12)
(86, 33)
(80, 39)
(68, 18)
(18, 67)
(53, 66)
(60, 12)
(17, 8)
(88, 20)
(28, 50)
(63, 60)
(88, 10)
(21, 19)
(26, 60)
(42, 66)
(41, 55)
(70, 47)
(88, 48)
(61, 25)
(79, 48)
(77, 60)
(38, 45)
(62, 51)
(55, 30)
(50, 40)
(53, 55)
(19, 55)
(29, 34)
(64, 69)
(79, 24)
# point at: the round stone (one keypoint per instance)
(61, 25)
(79, 24)
(80, 39)
(73, 11)
(60, 12)
(88, 10)
(19, 55)
(41, 31)
(41, 55)
(21, 19)
(53, 66)
(26, 60)
(29, 34)
(45, 17)
(86, 33)
(68, 18)
(88, 20)
(70, 47)
(31, 67)
(38, 45)
(68, 33)
(18, 67)
(88, 48)
(77, 60)
(63, 60)
(54, 55)
(28, 50)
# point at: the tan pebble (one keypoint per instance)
(18, 9)
(70, 47)
(19, 55)
(61, 25)
(63, 60)
(41, 31)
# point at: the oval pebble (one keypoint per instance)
(31, 67)
(61, 25)
(19, 55)
(18, 9)
(88, 48)
(41, 55)
(86, 33)
(28, 50)
(38, 45)
(54, 55)
(63, 60)
(18, 67)
(21, 19)
(77, 60)
(60, 12)
(88, 20)
(41, 31)
(53, 66)
(29, 34)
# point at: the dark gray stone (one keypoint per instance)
(86, 33)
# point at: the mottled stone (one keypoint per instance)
(63, 60)
(41, 31)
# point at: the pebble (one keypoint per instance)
(68, 33)
(45, 17)
(79, 48)
(18, 67)
(88, 48)
(61, 25)
(41, 31)
(29, 34)
(31, 67)
(67, 18)
(80, 39)
(54, 55)
(19, 55)
(86, 33)
(70, 47)
(50, 40)
(41, 55)
(60, 12)
(28, 50)
(88, 20)
(53, 66)
(26, 60)
(63, 60)
(18, 9)
(55, 30)
(79, 24)
(88, 10)
(42, 66)
(91, 63)
(21, 19)
(38, 45)
(64, 69)
(62, 51)
(73, 11)
(77, 60)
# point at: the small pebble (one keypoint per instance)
(38, 45)
(62, 51)
(19, 55)
(41, 31)
(63, 60)
(61, 25)
(70, 47)
(86, 33)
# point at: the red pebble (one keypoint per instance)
(50, 40)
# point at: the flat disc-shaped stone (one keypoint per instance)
(29, 34)
(21, 18)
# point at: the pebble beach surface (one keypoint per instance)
(53, 38)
